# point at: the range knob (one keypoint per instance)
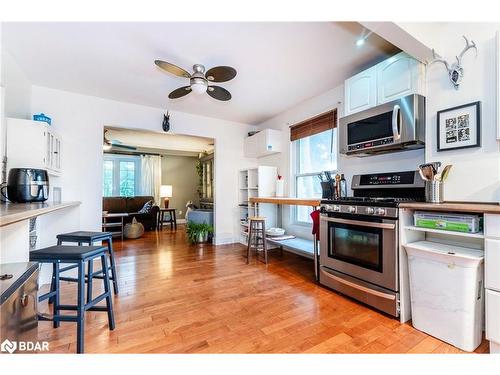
(380, 211)
(370, 210)
(336, 208)
(327, 207)
(351, 209)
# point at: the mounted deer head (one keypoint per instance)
(456, 71)
(166, 122)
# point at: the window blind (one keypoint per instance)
(314, 125)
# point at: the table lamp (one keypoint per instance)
(166, 192)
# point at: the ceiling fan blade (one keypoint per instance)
(180, 92)
(220, 74)
(173, 69)
(219, 93)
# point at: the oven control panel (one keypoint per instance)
(390, 212)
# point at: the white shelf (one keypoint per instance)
(448, 232)
(253, 188)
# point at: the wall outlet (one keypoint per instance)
(180, 212)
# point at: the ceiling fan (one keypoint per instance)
(199, 80)
(108, 144)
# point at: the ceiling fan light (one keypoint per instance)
(198, 86)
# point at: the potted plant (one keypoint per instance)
(198, 232)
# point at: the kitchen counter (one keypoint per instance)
(486, 208)
(286, 200)
(14, 212)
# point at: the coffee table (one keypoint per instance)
(120, 224)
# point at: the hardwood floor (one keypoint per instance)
(176, 298)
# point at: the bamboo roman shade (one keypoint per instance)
(315, 125)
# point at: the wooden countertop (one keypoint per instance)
(286, 200)
(487, 208)
(13, 212)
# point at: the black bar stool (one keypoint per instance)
(76, 255)
(257, 237)
(90, 238)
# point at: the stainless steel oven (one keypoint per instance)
(359, 244)
(365, 248)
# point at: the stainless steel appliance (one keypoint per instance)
(359, 238)
(393, 126)
(18, 301)
(27, 185)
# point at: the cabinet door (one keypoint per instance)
(492, 316)
(26, 144)
(361, 91)
(397, 76)
(492, 263)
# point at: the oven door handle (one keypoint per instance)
(359, 222)
(359, 287)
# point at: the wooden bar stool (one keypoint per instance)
(257, 237)
(77, 255)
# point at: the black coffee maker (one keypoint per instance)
(27, 185)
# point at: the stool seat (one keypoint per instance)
(65, 252)
(83, 236)
(257, 218)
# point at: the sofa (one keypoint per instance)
(132, 205)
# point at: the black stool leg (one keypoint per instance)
(52, 285)
(90, 275)
(80, 308)
(113, 266)
(56, 303)
(109, 302)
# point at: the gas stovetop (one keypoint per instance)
(377, 194)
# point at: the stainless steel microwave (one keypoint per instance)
(390, 127)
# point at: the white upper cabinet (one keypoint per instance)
(263, 143)
(33, 144)
(361, 91)
(396, 77)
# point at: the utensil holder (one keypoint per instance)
(434, 191)
(328, 190)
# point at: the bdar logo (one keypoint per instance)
(8, 346)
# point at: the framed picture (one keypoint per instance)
(459, 127)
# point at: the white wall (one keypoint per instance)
(475, 175)
(79, 119)
(350, 166)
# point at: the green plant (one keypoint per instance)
(198, 232)
(199, 170)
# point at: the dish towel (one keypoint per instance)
(315, 219)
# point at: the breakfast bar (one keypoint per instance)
(300, 246)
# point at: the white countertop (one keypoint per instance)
(14, 212)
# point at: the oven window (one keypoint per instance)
(369, 129)
(361, 246)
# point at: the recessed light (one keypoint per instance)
(360, 42)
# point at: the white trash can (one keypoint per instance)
(447, 294)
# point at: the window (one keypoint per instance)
(120, 175)
(313, 154)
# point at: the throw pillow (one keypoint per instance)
(146, 209)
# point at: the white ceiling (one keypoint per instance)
(162, 143)
(278, 64)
